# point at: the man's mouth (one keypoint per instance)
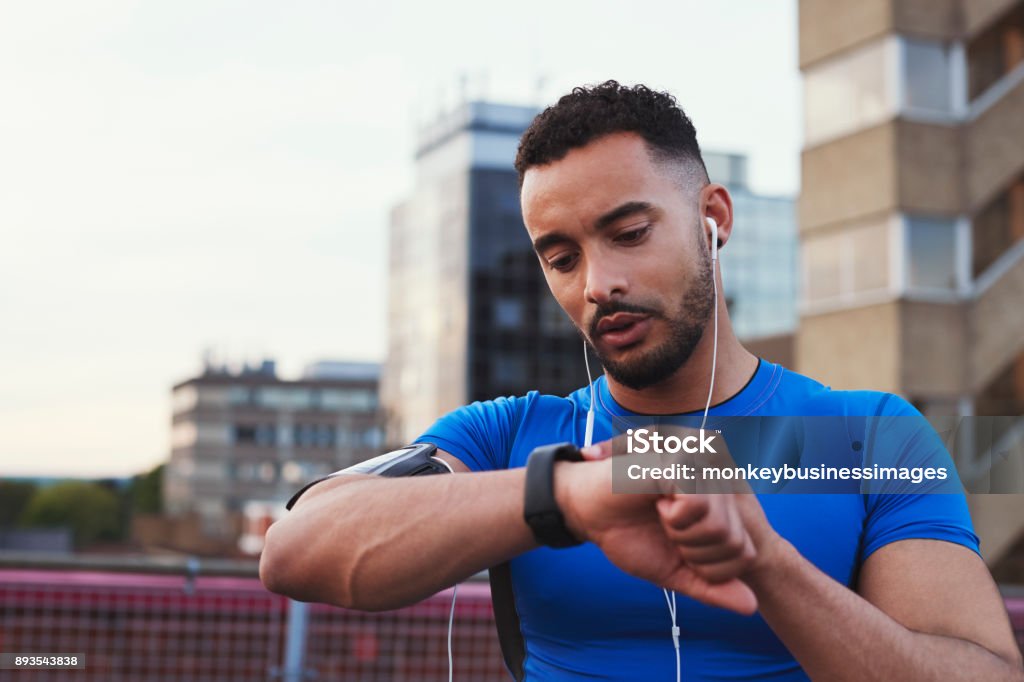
(623, 329)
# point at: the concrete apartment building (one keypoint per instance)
(912, 211)
(244, 441)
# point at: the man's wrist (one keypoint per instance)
(541, 509)
(565, 479)
(775, 558)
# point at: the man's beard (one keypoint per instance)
(685, 329)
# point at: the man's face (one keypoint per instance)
(619, 239)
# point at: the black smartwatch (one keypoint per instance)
(540, 508)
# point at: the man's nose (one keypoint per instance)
(605, 282)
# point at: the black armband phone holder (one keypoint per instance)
(412, 460)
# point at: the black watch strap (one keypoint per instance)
(540, 509)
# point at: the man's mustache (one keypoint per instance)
(609, 309)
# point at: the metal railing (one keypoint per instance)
(142, 620)
(174, 619)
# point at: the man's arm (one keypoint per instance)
(375, 543)
(927, 610)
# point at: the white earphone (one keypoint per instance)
(714, 236)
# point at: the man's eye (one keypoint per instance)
(632, 236)
(563, 263)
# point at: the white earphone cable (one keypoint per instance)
(670, 597)
(707, 407)
(675, 631)
(451, 626)
(588, 436)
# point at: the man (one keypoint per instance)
(616, 200)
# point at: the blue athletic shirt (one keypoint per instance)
(581, 618)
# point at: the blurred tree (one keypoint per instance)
(121, 489)
(14, 496)
(146, 489)
(90, 510)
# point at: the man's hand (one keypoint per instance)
(697, 545)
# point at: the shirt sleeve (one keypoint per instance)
(480, 434)
(902, 439)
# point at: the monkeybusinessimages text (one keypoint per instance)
(702, 442)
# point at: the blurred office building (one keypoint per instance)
(470, 315)
(243, 441)
(759, 269)
(912, 210)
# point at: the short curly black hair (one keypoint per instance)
(590, 112)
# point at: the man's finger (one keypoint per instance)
(733, 595)
(725, 571)
(679, 512)
(712, 554)
(602, 450)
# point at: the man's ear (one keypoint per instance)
(716, 203)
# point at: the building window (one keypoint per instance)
(339, 400)
(759, 266)
(265, 472)
(277, 398)
(245, 434)
(868, 257)
(908, 255)
(868, 85)
(239, 395)
(508, 313)
(996, 51)
(931, 253)
(553, 320)
(997, 227)
(263, 435)
(213, 396)
(508, 370)
(850, 92)
(842, 266)
(928, 81)
(266, 435)
(820, 258)
(314, 435)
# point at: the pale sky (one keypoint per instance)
(201, 173)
